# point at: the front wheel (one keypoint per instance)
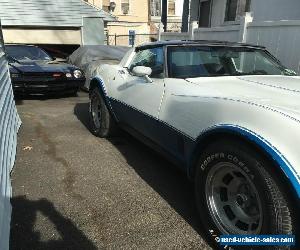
(236, 194)
(102, 123)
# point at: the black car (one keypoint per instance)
(34, 71)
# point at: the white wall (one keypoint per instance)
(281, 38)
(225, 33)
(178, 7)
(274, 10)
(174, 36)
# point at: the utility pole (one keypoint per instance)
(164, 14)
(185, 16)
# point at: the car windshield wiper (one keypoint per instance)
(10, 58)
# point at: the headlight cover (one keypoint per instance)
(77, 73)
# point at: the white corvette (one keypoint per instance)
(227, 114)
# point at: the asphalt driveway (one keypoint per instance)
(72, 190)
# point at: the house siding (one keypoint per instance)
(67, 13)
(9, 125)
(52, 22)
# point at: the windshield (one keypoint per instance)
(204, 61)
(23, 53)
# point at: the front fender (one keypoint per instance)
(98, 82)
(277, 133)
(265, 146)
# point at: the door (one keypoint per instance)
(138, 99)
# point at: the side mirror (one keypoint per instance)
(142, 71)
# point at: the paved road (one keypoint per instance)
(72, 190)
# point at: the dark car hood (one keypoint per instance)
(41, 66)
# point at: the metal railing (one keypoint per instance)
(9, 125)
(130, 40)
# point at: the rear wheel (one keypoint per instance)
(236, 194)
(102, 123)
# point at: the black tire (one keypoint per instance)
(275, 215)
(102, 124)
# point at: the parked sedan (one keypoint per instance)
(34, 71)
(225, 113)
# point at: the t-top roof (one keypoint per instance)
(195, 42)
(51, 13)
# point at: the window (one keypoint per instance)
(125, 6)
(152, 58)
(171, 7)
(203, 61)
(236, 8)
(254, 61)
(155, 7)
(106, 5)
(26, 53)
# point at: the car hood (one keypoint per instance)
(41, 66)
(278, 92)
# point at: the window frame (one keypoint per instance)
(153, 8)
(174, 2)
(237, 11)
(227, 10)
(128, 66)
(129, 8)
(210, 13)
(272, 57)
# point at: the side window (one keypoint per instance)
(248, 62)
(152, 58)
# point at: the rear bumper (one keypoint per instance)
(47, 86)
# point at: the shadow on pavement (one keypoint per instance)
(24, 236)
(81, 111)
(19, 98)
(164, 177)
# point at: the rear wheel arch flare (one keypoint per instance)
(282, 169)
